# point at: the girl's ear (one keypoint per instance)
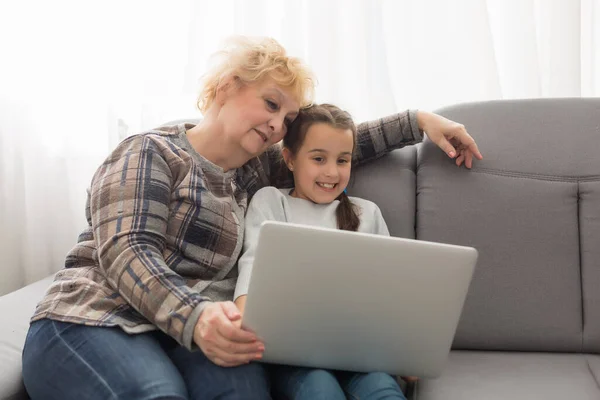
(287, 158)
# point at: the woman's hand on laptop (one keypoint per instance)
(219, 335)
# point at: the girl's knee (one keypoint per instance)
(253, 378)
(374, 386)
(318, 384)
(245, 382)
(381, 379)
(319, 376)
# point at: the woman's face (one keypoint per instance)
(255, 116)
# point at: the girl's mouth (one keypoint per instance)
(328, 186)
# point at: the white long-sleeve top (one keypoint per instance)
(272, 204)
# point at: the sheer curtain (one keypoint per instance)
(77, 77)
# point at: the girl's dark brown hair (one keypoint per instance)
(346, 211)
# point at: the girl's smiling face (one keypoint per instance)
(321, 166)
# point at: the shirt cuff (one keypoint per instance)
(417, 132)
(189, 327)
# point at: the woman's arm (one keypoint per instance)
(129, 205)
(450, 136)
(380, 136)
(374, 139)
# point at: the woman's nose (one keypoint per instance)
(276, 124)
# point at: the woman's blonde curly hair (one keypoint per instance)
(252, 60)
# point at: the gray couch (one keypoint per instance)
(530, 328)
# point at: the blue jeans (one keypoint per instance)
(296, 383)
(70, 361)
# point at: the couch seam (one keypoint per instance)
(522, 175)
(592, 372)
(416, 171)
(581, 287)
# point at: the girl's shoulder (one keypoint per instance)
(269, 196)
(269, 192)
(367, 207)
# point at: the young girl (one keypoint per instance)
(318, 150)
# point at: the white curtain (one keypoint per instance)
(78, 76)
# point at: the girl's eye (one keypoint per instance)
(272, 105)
(318, 159)
(342, 161)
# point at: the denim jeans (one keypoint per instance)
(296, 383)
(70, 361)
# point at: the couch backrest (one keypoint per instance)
(390, 182)
(532, 209)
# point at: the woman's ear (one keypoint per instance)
(225, 88)
(287, 158)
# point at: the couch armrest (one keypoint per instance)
(16, 309)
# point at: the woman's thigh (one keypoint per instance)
(70, 361)
(371, 386)
(298, 383)
(206, 380)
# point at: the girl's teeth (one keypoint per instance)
(327, 185)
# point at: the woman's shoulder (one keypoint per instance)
(153, 139)
(149, 150)
(164, 141)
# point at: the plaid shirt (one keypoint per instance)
(165, 229)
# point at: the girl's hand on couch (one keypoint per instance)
(450, 136)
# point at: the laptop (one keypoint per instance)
(351, 301)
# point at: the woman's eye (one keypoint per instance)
(272, 105)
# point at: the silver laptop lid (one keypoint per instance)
(353, 301)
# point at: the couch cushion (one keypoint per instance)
(520, 208)
(390, 183)
(471, 375)
(15, 311)
(526, 289)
